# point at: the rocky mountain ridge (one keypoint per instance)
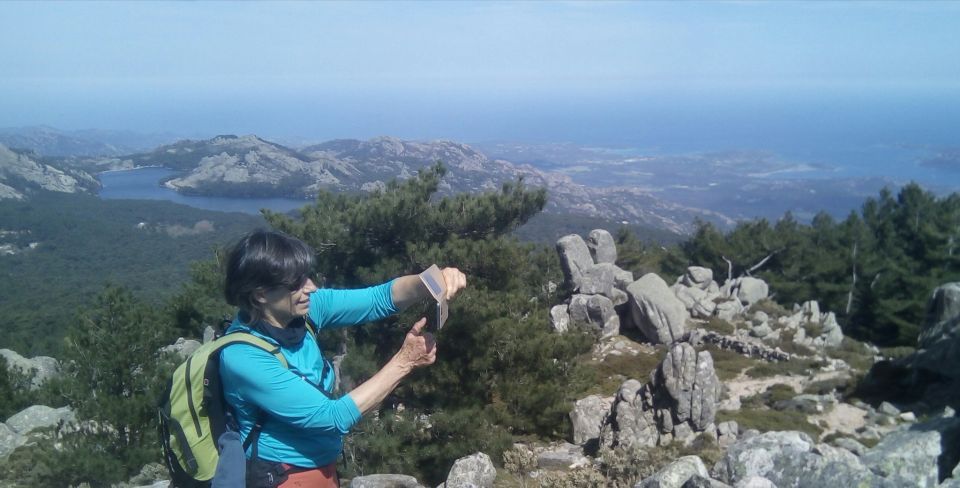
(21, 173)
(242, 165)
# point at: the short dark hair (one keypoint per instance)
(262, 260)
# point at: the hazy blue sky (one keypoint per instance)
(463, 70)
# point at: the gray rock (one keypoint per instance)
(755, 482)
(887, 408)
(619, 297)
(183, 348)
(656, 310)
(697, 481)
(761, 331)
(851, 445)
(588, 416)
(692, 385)
(385, 481)
(632, 422)
(604, 279)
(727, 433)
(697, 276)
(9, 441)
(38, 417)
(750, 290)
(943, 315)
(679, 401)
(209, 334)
(790, 459)
(559, 318)
(689, 295)
(704, 308)
(38, 369)
(810, 311)
(675, 474)
(594, 312)
(473, 471)
(602, 247)
(574, 257)
(915, 453)
(563, 457)
(158, 484)
(728, 309)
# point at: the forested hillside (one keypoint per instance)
(80, 243)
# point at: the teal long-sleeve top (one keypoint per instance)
(303, 426)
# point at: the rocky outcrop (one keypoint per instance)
(747, 289)
(790, 459)
(38, 417)
(812, 328)
(676, 474)
(587, 416)
(679, 401)
(598, 286)
(594, 312)
(38, 369)
(19, 171)
(656, 310)
(385, 481)
(939, 341)
(182, 348)
(473, 471)
(574, 258)
(602, 247)
(24, 425)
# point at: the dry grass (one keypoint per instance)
(606, 376)
(729, 364)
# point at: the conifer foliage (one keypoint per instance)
(875, 269)
(499, 370)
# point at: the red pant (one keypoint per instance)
(323, 477)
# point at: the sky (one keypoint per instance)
(476, 70)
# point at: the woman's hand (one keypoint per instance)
(453, 281)
(418, 349)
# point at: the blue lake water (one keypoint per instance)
(144, 184)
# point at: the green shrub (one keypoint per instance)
(854, 353)
(792, 367)
(813, 329)
(770, 420)
(720, 326)
(729, 364)
(773, 309)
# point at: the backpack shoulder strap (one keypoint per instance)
(248, 338)
(311, 327)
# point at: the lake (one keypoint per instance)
(144, 184)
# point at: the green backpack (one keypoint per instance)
(193, 412)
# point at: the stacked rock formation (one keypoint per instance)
(597, 283)
(678, 402)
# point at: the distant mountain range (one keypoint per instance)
(663, 192)
(47, 141)
(248, 165)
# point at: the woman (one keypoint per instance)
(300, 424)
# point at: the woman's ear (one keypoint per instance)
(259, 296)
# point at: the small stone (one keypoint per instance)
(887, 408)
